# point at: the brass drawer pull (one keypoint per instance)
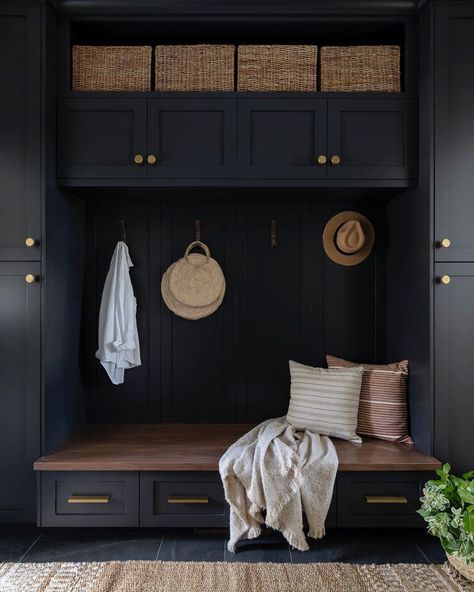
(188, 500)
(386, 499)
(88, 499)
(444, 279)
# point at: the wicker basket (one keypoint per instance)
(465, 569)
(361, 68)
(194, 67)
(277, 68)
(96, 68)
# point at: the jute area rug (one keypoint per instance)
(158, 576)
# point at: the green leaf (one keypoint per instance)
(468, 475)
(446, 468)
(469, 522)
(466, 496)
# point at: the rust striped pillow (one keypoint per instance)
(383, 401)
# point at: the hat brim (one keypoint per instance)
(329, 235)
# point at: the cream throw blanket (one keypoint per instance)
(274, 468)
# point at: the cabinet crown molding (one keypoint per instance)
(261, 8)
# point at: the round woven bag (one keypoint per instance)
(194, 286)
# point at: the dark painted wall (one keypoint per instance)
(282, 303)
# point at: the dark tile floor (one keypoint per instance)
(351, 546)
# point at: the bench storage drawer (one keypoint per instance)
(368, 499)
(87, 498)
(182, 499)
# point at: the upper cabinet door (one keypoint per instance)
(20, 131)
(282, 138)
(191, 138)
(102, 138)
(454, 132)
(372, 139)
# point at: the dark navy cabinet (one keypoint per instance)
(20, 125)
(19, 389)
(192, 138)
(454, 131)
(282, 138)
(335, 139)
(238, 139)
(454, 360)
(102, 138)
(374, 139)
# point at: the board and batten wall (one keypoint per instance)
(289, 302)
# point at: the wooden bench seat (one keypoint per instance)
(198, 447)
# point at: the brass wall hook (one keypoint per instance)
(123, 231)
(197, 230)
(274, 235)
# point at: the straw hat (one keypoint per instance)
(348, 238)
(194, 286)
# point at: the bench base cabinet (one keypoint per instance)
(196, 499)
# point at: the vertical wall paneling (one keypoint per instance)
(281, 303)
(196, 355)
(131, 400)
(351, 303)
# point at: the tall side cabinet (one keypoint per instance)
(20, 256)
(454, 232)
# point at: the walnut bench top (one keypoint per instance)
(198, 447)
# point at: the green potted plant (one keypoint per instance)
(447, 506)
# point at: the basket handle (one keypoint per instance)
(201, 245)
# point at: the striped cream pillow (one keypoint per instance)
(383, 400)
(325, 401)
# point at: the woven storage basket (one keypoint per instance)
(360, 68)
(96, 68)
(277, 68)
(194, 67)
(465, 569)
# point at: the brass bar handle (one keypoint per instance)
(386, 499)
(188, 500)
(88, 499)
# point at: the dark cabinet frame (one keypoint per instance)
(27, 390)
(31, 201)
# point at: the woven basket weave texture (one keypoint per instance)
(277, 68)
(360, 68)
(194, 67)
(111, 68)
(465, 569)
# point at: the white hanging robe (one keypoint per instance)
(119, 347)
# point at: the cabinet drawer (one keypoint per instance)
(89, 499)
(379, 499)
(182, 499)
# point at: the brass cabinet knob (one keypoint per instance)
(445, 280)
(30, 278)
(138, 159)
(151, 159)
(335, 159)
(321, 159)
(445, 243)
(30, 242)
